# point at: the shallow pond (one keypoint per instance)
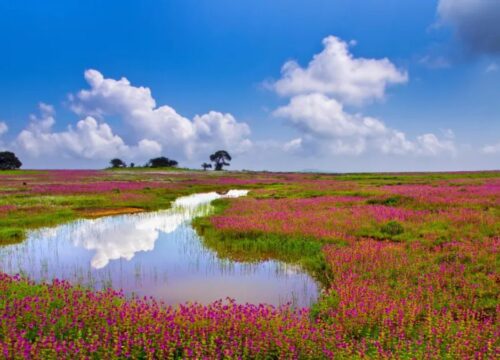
(155, 254)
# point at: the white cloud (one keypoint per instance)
(325, 117)
(335, 78)
(430, 144)
(395, 142)
(89, 139)
(222, 129)
(3, 128)
(491, 149)
(294, 145)
(147, 147)
(326, 126)
(178, 135)
(46, 120)
(475, 21)
(336, 72)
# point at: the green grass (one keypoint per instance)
(11, 235)
(13, 228)
(21, 172)
(255, 247)
(35, 210)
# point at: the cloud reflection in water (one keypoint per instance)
(123, 236)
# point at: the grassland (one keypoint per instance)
(409, 264)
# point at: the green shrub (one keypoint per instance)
(390, 201)
(392, 228)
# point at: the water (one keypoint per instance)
(155, 254)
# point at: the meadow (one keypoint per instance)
(409, 265)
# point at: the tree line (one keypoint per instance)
(220, 158)
(158, 162)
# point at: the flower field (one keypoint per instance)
(409, 265)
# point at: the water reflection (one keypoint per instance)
(157, 254)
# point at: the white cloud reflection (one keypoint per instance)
(121, 237)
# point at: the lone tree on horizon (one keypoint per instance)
(206, 166)
(117, 163)
(162, 161)
(220, 158)
(9, 161)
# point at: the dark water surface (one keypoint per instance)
(155, 254)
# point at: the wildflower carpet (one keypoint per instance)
(408, 263)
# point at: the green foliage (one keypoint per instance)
(117, 163)
(254, 247)
(327, 303)
(9, 161)
(392, 228)
(11, 235)
(162, 161)
(220, 158)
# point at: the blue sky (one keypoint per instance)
(410, 85)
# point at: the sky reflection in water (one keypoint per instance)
(154, 254)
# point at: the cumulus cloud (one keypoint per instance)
(156, 130)
(336, 72)
(176, 133)
(222, 129)
(89, 139)
(325, 117)
(326, 126)
(3, 128)
(335, 78)
(476, 23)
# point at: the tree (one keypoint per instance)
(220, 159)
(132, 165)
(162, 161)
(117, 163)
(206, 166)
(9, 161)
